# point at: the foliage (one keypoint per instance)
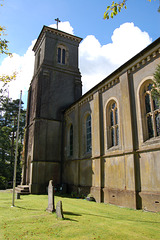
(7, 78)
(113, 10)
(82, 220)
(156, 85)
(8, 128)
(4, 50)
(8, 124)
(116, 7)
(3, 42)
(2, 182)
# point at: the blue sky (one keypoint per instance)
(25, 19)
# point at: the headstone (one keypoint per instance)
(17, 195)
(59, 211)
(51, 207)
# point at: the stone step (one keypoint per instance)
(22, 189)
(22, 193)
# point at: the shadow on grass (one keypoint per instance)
(71, 214)
(121, 219)
(69, 219)
(30, 209)
(65, 213)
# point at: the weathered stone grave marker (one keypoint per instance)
(51, 207)
(59, 211)
(17, 195)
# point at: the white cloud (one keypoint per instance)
(127, 40)
(63, 26)
(96, 60)
(24, 66)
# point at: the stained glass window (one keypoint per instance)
(112, 119)
(88, 134)
(114, 130)
(116, 116)
(150, 126)
(147, 103)
(113, 106)
(117, 135)
(157, 118)
(149, 87)
(112, 137)
(152, 113)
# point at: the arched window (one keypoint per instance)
(113, 125)
(71, 140)
(88, 134)
(152, 112)
(61, 54)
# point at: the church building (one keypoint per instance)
(105, 142)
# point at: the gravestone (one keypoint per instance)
(51, 207)
(18, 195)
(59, 211)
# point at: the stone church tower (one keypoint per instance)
(106, 142)
(56, 84)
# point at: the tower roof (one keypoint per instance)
(56, 32)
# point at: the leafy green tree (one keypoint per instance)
(8, 123)
(8, 129)
(4, 156)
(4, 50)
(116, 7)
(3, 42)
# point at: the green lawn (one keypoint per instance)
(83, 220)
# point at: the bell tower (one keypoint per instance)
(56, 84)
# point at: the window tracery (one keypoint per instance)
(112, 123)
(88, 134)
(152, 112)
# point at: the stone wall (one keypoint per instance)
(126, 174)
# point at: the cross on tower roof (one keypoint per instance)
(57, 20)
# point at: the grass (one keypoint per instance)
(83, 220)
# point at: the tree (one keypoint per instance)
(4, 50)
(3, 42)
(8, 129)
(8, 124)
(116, 7)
